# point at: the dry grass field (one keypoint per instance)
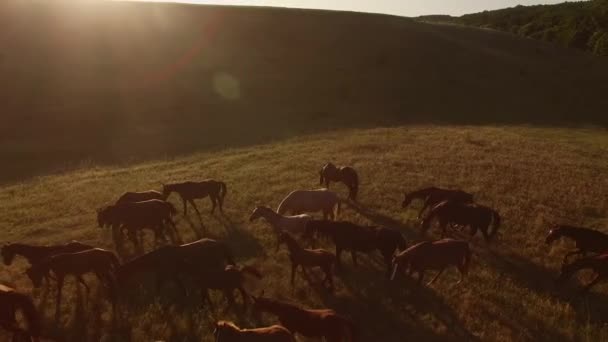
(533, 176)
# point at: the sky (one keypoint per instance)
(397, 7)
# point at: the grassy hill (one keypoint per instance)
(94, 82)
(533, 176)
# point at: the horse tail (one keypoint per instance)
(355, 186)
(495, 224)
(253, 271)
(466, 260)
(223, 191)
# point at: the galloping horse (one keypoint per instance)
(478, 217)
(12, 302)
(436, 255)
(293, 224)
(189, 191)
(308, 258)
(310, 323)
(433, 196)
(352, 237)
(302, 201)
(587, 240)
(99, 261)
(230, 279)
(597, 263)
(345, 174)
(228, 332)
(132, 197)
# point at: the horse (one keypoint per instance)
(478, 217)
(132, 197)
(435, 255)
(99, 261)
(587, 240)
(301, 201)
(189, 191)
(345, 174)
(597, 263)
(230, 279)
(355, 238)
(320, 323)
(151, 214)
(34, 254)
(12, 302)
(294, 224)
(433, 196)
(308, 258)
(225, 331)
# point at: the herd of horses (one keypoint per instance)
(208, 264)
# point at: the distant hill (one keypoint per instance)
(111, 81)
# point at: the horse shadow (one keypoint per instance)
(381, 219)
(239, 239)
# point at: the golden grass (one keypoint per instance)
(531, 175)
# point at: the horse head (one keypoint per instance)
(554, 234)
(255, 214)
(8, 254)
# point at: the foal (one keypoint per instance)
(189, 191)
(12, 302)
(477, 217)
(309, 258)
(345, 174)
(228, 332)
(587, 240)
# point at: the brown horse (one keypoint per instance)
(596, 263)
(132, 197)
(345, 174)
(351, 237)
(587, 240)
(230, 279)
(308, 258)
(99, 261)
(433, 196)
(436, 255)
(12, 302)
(478, 217)
(228, 332)
(189, 191)
(324, 323)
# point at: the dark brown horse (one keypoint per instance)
(132, 197)
(230, 279)
(351, 237)
(596, 263)
(308, 258)
(345, 174)
(12, 302)
(189, 191)
(324, 323)
(99, 261)
(587, 240)
(477, 217)
(436, 255)
(433, 196)
(228, 332)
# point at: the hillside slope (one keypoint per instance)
(110, 81)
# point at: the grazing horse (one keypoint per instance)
(228, 332)
(345, 174)
(433, 196)
(597, 263)
(324, 323)
(351, 237)
(230, 279)
(478, 217)
(587, 240)
(308, 258)
(293, 224)
(151, 214)
(435, 255)
(301, 201)
(12, 302)
(99, 261)
(189, 191)
(132, 197)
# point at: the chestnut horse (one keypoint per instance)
(478, 217)
(351, 237)
(189, 191)
(230, 279)
(596, 263)
(433, 196)
(310, 323)
(436, 255)
(345, 174)
(132, 197)
(587, 240)
(12, 302)
(228, 332)
(310, 201)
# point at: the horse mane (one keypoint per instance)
(223, 324)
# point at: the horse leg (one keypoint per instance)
(80, 280)
(595, 280)
(354, 256)
(213, 203)
(245, 296)
(473, 231)
(185, 206)
(420, 276)
(206, 298)
(229, 297)
(338, 253)
(435, 278)
(60, 279)
(294, 267)
(328, 277)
